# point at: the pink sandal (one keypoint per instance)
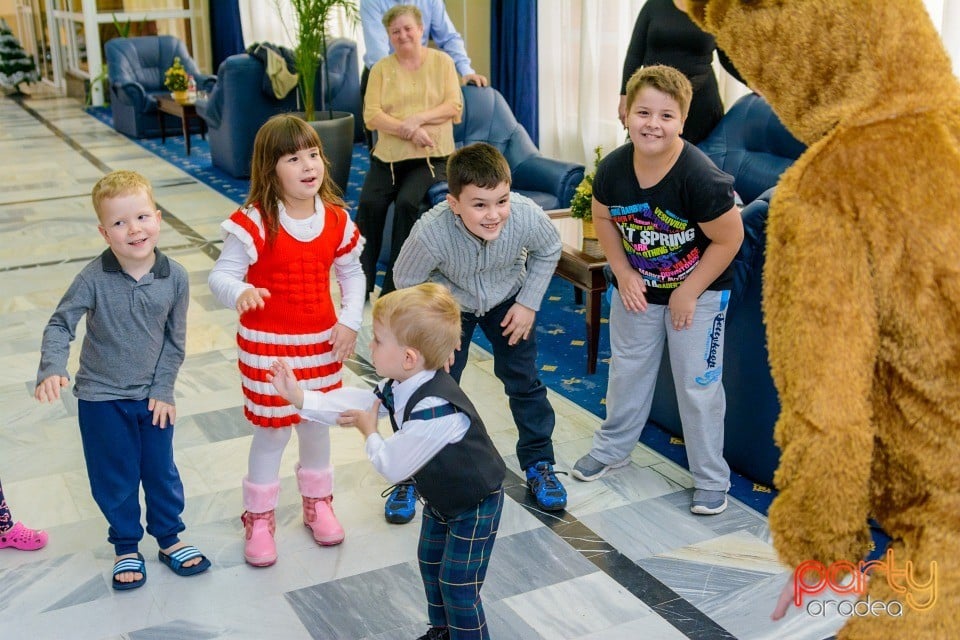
(22, 538)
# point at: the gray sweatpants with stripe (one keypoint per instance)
(696, 357)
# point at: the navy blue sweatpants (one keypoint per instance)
(122, 449)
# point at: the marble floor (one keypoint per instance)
(626, 560)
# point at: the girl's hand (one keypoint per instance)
(254, 298)
(344, 341)
(282, 378)
(49, 389)
(452, 358)
(633, 292)
(682, 306)
(163, 413)
(365, 420)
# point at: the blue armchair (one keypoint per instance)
(750, 144)
(242, 101)
(488, 118)
(136, 68)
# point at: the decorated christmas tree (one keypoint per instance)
(16, 67)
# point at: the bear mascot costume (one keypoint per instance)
(861, 294)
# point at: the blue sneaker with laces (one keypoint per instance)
(546, 489)
(401, 503)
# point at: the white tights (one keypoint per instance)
(268, 444)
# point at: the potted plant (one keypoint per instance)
(582, 202)
(176, 80)
(309, 33)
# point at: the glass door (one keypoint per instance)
(80, 27)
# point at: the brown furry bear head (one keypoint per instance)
(821, 62)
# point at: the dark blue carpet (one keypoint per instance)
(561, 330)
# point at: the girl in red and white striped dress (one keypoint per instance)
(275, 267)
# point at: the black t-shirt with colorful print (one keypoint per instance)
(660, 226)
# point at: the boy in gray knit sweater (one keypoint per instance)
(496, 251)
(135, 301)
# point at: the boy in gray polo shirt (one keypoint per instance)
(135, 301)
(496, 251)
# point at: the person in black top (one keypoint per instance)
(668, 225)
(664, 34)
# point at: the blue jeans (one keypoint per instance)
(516, 368)
(123, 448)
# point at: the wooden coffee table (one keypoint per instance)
(186, 113)
(583, 268)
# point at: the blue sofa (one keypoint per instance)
(136, 68)
(241, 101)
(751, 144)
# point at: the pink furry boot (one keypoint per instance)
(316, 487)
(259, 502)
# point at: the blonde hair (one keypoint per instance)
(425, 317)
(398, 10)
(665, 80)
(119, 183)
(281, 135)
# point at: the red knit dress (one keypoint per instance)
(296, 322)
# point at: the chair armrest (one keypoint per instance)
(131, 93)
(539, 173)
(437, 192)
(205, 82)
(211, 110)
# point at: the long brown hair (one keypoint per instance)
(281, 135)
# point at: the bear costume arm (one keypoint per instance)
(822, 335)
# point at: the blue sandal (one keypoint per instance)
(129, 565)
(177, 559)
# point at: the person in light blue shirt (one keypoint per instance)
(437, 27)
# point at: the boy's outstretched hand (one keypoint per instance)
(163, 413)
(365, 420)
(518, 323)
(283, 380)
(49, 389)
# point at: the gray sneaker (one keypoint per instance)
(589, 468)
(708, 503)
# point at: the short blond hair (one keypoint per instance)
(425, 317)
(119, 183)
(665, 80)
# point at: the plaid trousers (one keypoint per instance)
(453, 555)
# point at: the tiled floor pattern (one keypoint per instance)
(627, 560)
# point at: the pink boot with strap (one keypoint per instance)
(316, 487)
(259, 522)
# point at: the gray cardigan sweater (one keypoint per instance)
(482, 274)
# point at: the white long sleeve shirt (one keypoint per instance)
(404, 453)
(228, 277)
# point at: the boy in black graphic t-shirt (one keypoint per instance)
(667, 222)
